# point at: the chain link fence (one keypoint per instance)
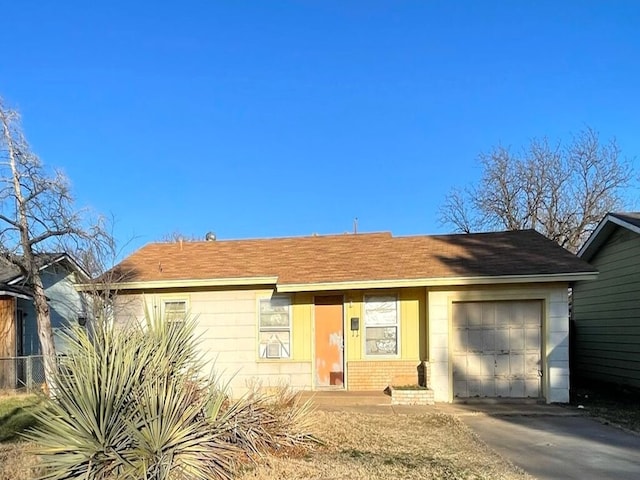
(21, 373)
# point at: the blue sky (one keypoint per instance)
(277, 118)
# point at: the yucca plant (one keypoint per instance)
(260, 423)
(172, 439)
(130, 402)
(83, 428)
(296, 420)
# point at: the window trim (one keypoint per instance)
(165, 300)
(371, 356)
(260, 329)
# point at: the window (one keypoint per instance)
(381, 325)
(174, 310)
(275, 327)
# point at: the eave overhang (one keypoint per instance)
(167, 284)
(435, 282)
(344, 285)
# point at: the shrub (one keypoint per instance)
(277, 423)
(132, 403)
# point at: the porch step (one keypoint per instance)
(344, 398)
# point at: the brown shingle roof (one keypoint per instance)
(361, 257)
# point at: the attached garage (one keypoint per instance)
(496, 349)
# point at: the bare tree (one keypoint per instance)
(176, 236)
(101, 290)
(36, 217)
(562, 191)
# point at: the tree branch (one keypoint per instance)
(562, 191)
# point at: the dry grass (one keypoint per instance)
(366, 446)
(359, 446)
(17, 462)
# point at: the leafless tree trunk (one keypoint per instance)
(562, 191)
(101, 289)
(36, 217)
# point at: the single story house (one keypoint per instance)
(468, 315)
(18, 324)
(606, 312)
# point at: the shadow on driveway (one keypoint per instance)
(552, 442)
(547, 441)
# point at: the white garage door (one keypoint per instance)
(496, 349)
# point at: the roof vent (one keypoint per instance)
(210, 237)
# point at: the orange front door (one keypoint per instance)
(329, 345)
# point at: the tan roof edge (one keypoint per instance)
(205, 282)
(352, 285)
(434, 282)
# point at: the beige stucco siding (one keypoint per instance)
(228, 335)
(555, 334)
(607, 313)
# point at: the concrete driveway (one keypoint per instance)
(552, 442)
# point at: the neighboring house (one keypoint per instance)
(470, 315)
(606, 312)
(18, 325)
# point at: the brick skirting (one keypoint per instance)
(378, 375)
(412, 397)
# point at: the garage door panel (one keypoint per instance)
(517, 365)
(460, 389)
(503, 313)
(488, 387)
(532, 313)
(517, 318)
(460, 340)
(475, 341)
(488, 365)
(488, 340)
(503, 387)
(474, 365)
(516, 338)
(517, 388)
(459, 315)
(532, 386)
(468, 314)
(502, 365)
(502, 340)
(532, 339)
(532, 364)
(488, 314)
(460, 365)
(474, 387)
(474, 314)
(497, 349)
